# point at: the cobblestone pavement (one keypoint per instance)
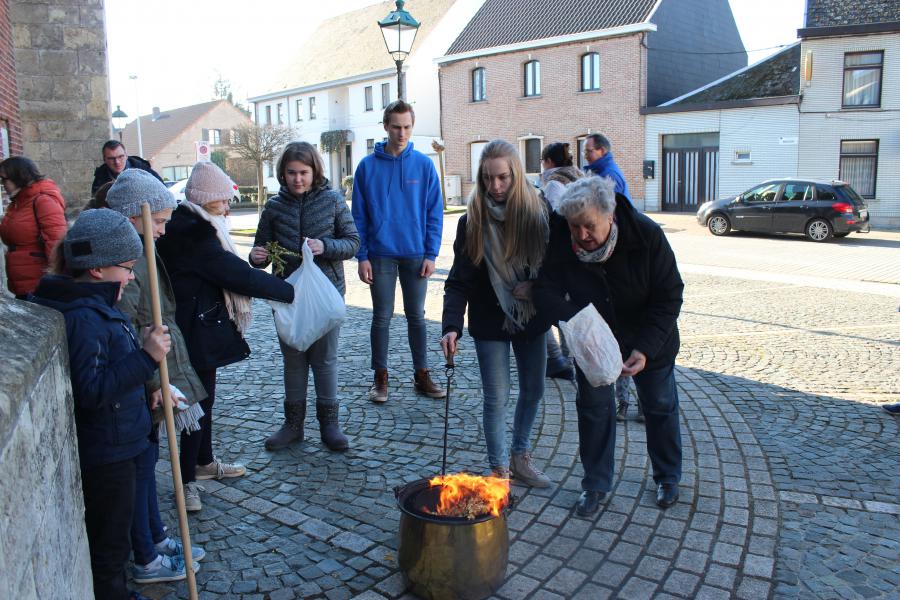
(790, 485)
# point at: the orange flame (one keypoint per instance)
(462, 488)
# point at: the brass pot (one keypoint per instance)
(447, 558)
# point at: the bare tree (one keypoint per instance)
(259, 144)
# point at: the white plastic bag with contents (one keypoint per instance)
(593, 346)
(317, 307)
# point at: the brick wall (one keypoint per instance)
(9, 94)
(561, 114)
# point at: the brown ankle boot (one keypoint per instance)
(424, 385)
(378, 392)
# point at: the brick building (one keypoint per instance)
(535, 72)
(10, 124)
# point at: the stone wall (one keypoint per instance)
(60, 53)
(41, 505)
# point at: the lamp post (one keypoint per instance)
(399, 30)
(119, 117)
(137, 108)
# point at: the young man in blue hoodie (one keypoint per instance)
(398, 212)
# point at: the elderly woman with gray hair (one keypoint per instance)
(603, 251)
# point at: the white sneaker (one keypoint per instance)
(219, 470)
(192, 501)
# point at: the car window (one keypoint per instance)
(825, 192)
(851, 194)
(796, 192)
(763, 193)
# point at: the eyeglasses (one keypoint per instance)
(129, 269)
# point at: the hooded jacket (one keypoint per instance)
(102, 174)
(607, 167)
(108, 369)
(34, 223)
(320, 214)
(397, 205)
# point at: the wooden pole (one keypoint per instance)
(439, 148)
(150, 253)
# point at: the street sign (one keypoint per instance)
(202, 151)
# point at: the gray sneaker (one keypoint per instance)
(166, 568)
(523, 470)
(192, 496)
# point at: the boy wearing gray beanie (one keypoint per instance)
(108, 367)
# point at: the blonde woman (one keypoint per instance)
(499, 248)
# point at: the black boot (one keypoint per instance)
(329, 427)
(292, 430)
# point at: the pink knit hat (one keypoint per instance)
(208, 183)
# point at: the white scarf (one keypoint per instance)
(238, 306)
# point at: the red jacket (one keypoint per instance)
(37, 211)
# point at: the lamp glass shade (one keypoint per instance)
(399, 29)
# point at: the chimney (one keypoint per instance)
(156, 113)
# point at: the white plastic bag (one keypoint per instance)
(317, 308)
(593, 346)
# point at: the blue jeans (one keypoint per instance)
(659, 398)
(385, 272)
(596, 408)
(493, 360)
(322, 357)
(146, 524)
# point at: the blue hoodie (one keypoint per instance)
(607, 167)
(397, 205)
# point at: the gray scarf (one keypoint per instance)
(506, 275)
(601, 254)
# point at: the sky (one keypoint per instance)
(177, 49)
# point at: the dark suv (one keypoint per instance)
(819, 209)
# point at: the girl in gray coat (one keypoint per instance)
(307, 208)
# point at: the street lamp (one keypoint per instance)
(137, 108)
(119, 118)
(399, 30)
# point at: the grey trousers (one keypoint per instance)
(322, 357)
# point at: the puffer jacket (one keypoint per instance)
(34, 223)
(200, 268)
(320, 214)
(137, 305)
(107, 367)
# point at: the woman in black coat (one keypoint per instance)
(603, 251)
(213, 287)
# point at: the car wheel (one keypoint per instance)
(841, 235)
(819, 230)
(718, 224)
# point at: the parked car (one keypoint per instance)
(818, 209)
(177, 189)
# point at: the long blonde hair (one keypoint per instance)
(526, 215)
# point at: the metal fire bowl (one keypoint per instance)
(445, 558)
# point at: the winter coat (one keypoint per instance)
(397, 205)
(606, 167)
(103, 175)
(200, 268)
(137, 305)
(107, 367)
(34, 223)
(638, 290)
(320, 214)
(470, 285)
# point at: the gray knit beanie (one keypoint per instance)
(101, 238)
(208, 183)
(135, 187)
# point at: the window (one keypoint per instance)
(825, 192)
(270, 167)
(368, 93)
(582, 161)
(859, 165)
(268, 115)
(279, 113)
(862, 79)
(175, 173)
(385, 94)
(533, 79)
(299, 109)
(234, 136)
(763, 193)
(370, 146)
(532, 155)
(475, 157)
(590, 72)
(479, 88)
(796, 192)
(214, 136)
(742, 155)
(312, 108)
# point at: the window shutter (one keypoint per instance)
(205, 136)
